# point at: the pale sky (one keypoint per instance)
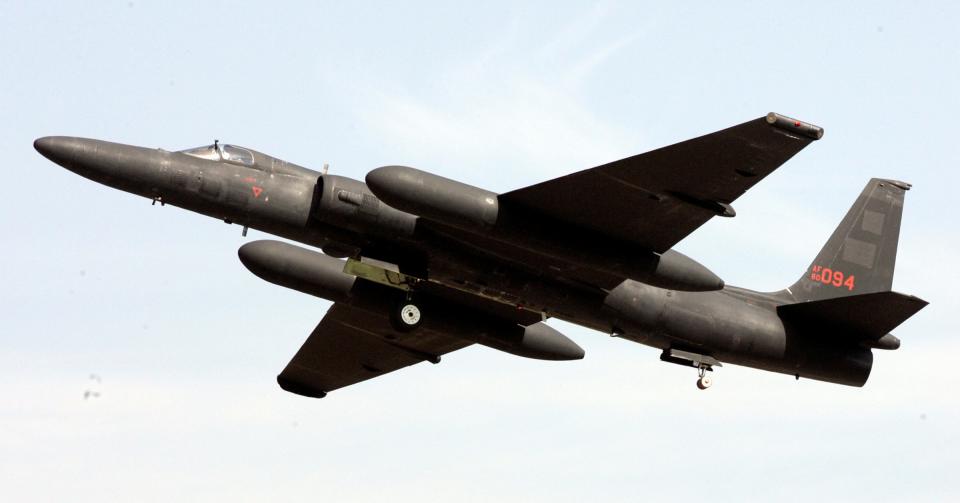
(187, 343)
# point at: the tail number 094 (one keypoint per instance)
(836, 279)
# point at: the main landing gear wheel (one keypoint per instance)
(705, 381)
(407, 316)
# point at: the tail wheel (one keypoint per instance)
(407, 316)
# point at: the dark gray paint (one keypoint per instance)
(322, 276)
(591, 248)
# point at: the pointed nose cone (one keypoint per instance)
(80, 155)
(58, 149)
(126, 167)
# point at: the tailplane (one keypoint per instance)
(868, 318)
(860, 255)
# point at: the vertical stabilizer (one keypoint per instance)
(861, 253)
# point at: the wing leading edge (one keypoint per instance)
(657, 198)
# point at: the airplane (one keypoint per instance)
(418, 265)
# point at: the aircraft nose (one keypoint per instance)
(98, 160)
(55, 148)
(76, 154)
(126, 167)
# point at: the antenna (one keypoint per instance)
(325, 168)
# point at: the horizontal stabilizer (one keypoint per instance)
(868, 317)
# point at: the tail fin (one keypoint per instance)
(860, 255)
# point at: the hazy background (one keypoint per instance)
(187, 342)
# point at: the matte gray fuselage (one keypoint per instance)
(345, 219)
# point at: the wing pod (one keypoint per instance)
(322, 276)
(478, 212)
(297, 268)
(539, 341)
(434, 197)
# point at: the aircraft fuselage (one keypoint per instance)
(667, 300)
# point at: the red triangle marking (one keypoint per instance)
(257, 191)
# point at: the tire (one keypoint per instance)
(407, 316)
(704, 382)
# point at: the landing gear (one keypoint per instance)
(703, 364)
(410, 315)
(407, 315)
(704, 381)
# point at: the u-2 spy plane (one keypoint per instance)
(418, 265)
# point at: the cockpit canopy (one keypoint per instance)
(242, 156)
(227, 153)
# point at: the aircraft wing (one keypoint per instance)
(350, 346)
(656, 199)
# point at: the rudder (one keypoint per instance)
(861, 253)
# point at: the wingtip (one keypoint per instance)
(299, 388)
(898, 184)
(793, 125)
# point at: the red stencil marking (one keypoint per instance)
(836, 279)
(256, 191)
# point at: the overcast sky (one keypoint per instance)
(186, 343)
